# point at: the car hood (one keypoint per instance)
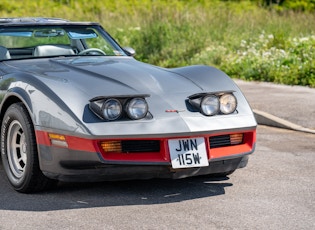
(104, 76)
(107, 76)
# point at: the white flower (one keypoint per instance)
(305, 39)
(135, 28)
(282, 52)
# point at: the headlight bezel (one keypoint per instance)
(196, 101)
(98, 106)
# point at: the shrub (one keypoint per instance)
(263, 59)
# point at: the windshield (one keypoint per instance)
(55, 40)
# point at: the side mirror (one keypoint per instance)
(130, 51)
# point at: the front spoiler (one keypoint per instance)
(130, 172)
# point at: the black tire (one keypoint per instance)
(19, 151)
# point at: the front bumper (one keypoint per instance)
(83, 159)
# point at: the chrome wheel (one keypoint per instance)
(17, 147)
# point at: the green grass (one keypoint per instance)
(241, 38)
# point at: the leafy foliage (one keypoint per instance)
(296, 5)
(263, 59)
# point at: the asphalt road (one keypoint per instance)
(294, 104)
(275, 191)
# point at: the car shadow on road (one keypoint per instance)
(120, 193)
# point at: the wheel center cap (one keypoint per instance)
(24, 147)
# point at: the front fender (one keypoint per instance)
(208, 78)
(46, 109)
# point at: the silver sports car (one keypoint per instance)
(76, 106)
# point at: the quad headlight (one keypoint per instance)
(228, 103)
(211, 104)
(120, 107)
(137, 108)
(111, 109)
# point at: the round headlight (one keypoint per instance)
(210, 105)
(227, 103)
(112, 109)
(137, 108)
